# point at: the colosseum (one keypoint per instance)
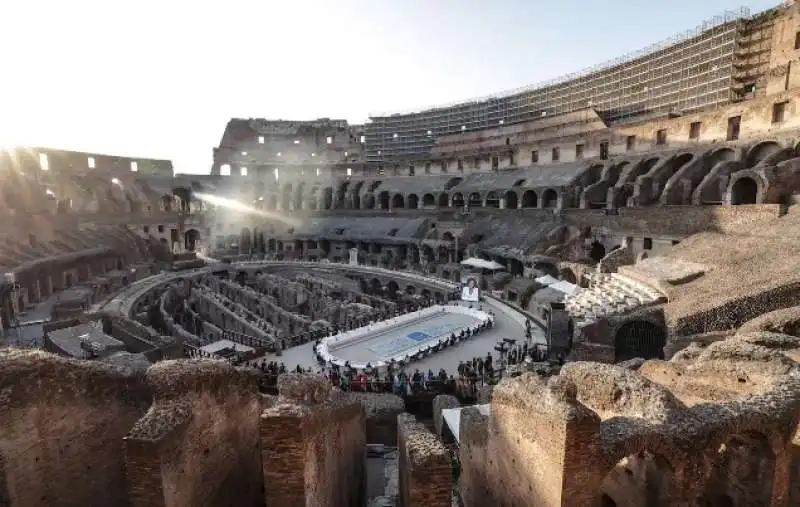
(463, 305)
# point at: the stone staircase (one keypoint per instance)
(610, 294)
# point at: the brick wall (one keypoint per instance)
(424, 466)
(61, 428)
(536, 448)
(203, 433)
(314, 447)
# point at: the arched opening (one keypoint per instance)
(383, 200)
(452, 182)
(190, 240)
(369, 201)
(761, 152)
(530, 199)
(447, 236)
(458, 200)
(392, 288)
(597, 251)
(184, 196)
(444, 200)
(639, 338)
(272, 245)
(428, 200)
(492, 200)
(639, 480)
(426, 293)
(245, 240)
(568, 275)
(327, 198)
(286, 197)
(743, 472)
(411, 290)
(398, 201)
(511, 199)
(375, 286)
(475, 200)
(298, 196)
(413, 201)
(549, 198)
(744, 191)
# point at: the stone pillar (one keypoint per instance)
(426, 475)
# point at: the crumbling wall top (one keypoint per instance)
(422, 447)
(170, 379)
(614, 391)
(558, 396)
(33, 374)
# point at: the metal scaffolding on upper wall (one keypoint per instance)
(688, 71)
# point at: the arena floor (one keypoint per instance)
(480, 345)
(397, 340)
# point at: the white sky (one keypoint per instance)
(161, 78)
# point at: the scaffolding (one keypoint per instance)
(690, 71)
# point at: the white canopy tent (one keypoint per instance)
(482, 264)
(452, 417)
(565, 287)
(546, 280)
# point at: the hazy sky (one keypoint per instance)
(161, 78)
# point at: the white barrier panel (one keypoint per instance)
(366, 332)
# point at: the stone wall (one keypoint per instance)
(198, 444)
(381, 412)
(313, 445)
(425, 469)
(536, 445)
(62, 422)
(674, 221)
(441, 402)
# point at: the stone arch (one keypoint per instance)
(549, 198)
(410, 290)
(286, 197)
(327, 198)
(375, 286)
(493, 199)
(393, 288)
(568, 275)
(245, 240)
(413, 201)
(428, 200)
(639, 338)
(458, 200)
(190, 240)
(743, 471)
(641, 480)
(369, 201)
(452, 182)
(398, 201)
(530, 199)
(444, 200)
(426, 293)
(383, 199)
(475, 200)
(745, 190)
(355, 195)
(511, 199)
(447, 236)
(761, 151)
(723, 154)
(298, 196)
